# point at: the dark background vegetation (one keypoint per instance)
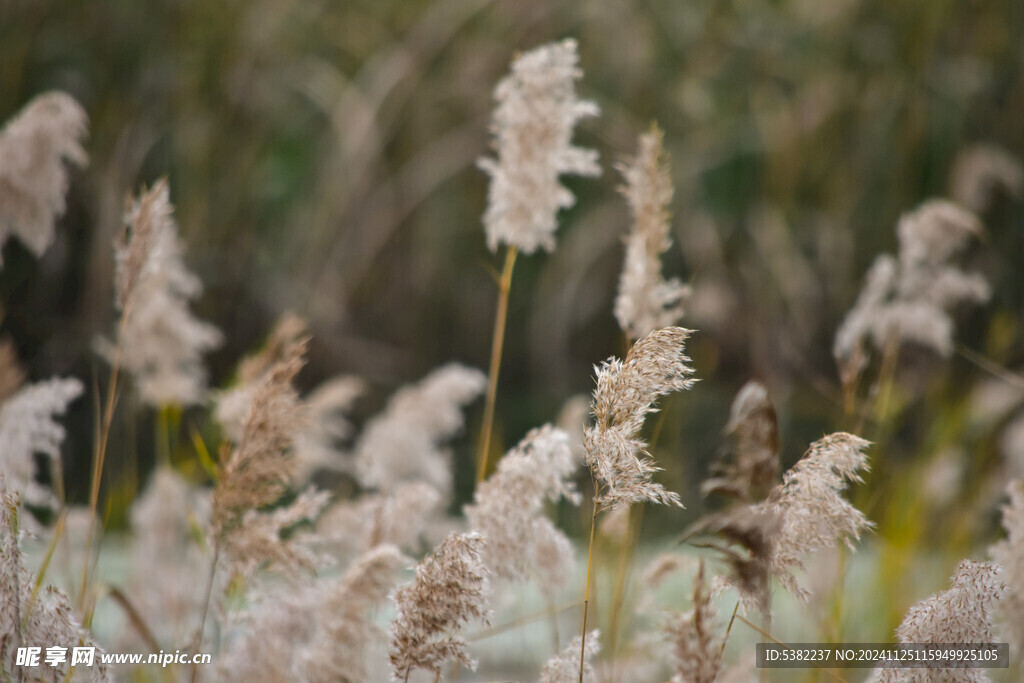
(321, 158)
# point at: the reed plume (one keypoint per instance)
(645, 300)
(960, 614)
(402, 444)
(696, 651)
(532, 126)
(565, 666)
(166, 582)
(401, 518)
(255, 473)
(35, 146)
(750, 467)
(507, 510)
(27, 428)
(319, 631)
(159, 341)
(30, 615)
(233, 405)
(911, 298)
(450, 590)
(625, 395)
(811, 506)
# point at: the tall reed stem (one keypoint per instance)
(100, 455)
(497, 344)
(586, 591)
(206, 606)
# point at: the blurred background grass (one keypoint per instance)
(321, 157)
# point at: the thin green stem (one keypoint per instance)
(100, 455)
(206, 605)
(728, 629)
(586, 591)
(497, 345)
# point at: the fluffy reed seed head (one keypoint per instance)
(532, 125)
(1009, 553)
(625, 395)
(565, 666)
(811, 505)
(508, 509)
(34, 146)
(27, 428)
(317, 446)
(344, 623)
(646, 301)
(168, 570)
(402, 443)
(751, 533)
(980, 172)
(910, 299)
(753, 431)
(160, 342)
(961, 614)
(29, 618)
(696, 650)
(450, 590)
(254, 473)
(400, 518)
(233, 404)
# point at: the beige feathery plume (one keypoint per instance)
(256, 472)
(1009, 553)
(27, 427)
(402, 443)
(751, 534)
(400, 518)
(344, 626)
(450, 590)
(317, 446)
(810, 504)
(233, 404)
(980, 172)
(507, 510)
(646, 301)
(565, 666)
(696, 650)
(910, 299)
(167, 571)
(961, 614)
(159, 341)
(625, 395)
(30, 618)
(532, 125)
(803, 514)
(34, 145)
(320, 631)
(753, 430)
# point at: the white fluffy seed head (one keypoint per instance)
(625, 395)
(34, 147)
(532, 125)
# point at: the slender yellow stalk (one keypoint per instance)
(99, 455)
(497, 345)
(206, 605)
(728, 629)
(586, 591)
